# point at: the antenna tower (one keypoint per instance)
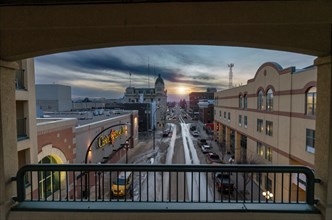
(129, 79)
(230, 83)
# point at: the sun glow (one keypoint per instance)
(182, 90)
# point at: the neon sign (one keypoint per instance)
(111, 137)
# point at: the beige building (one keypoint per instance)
(271, 120)
(26, 113)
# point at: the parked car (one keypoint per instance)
(202, 142)
(206, 149)
(224, 182)
(166, 132)
(195, 133)
(213, 158)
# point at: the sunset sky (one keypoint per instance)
(106, 72)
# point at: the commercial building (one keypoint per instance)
(195, 97)
(271, 120)
(157, 96)
(53, 97)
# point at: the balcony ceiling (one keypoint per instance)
(29, 28)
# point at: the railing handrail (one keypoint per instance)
(239, 168)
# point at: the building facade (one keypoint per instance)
(26, 113)
(157, 96)
(194, 99)
(53, 97)
(271, 120)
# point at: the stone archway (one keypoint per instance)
(49, 150)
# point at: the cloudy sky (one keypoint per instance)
(106, 72)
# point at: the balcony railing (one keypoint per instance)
(21, 128)
(19, 80)
(167, 184)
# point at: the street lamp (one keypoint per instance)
(99, 185)
(126, 147)
(268, 195)
(154, 128)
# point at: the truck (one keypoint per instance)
(224, 182)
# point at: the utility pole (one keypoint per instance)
(230, 83)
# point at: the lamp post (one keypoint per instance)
(86, 193)
(126, 147)
(99, 185)
(268, 195)
(154, 128)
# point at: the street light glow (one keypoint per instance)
(268, 195)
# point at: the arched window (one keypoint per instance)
(245, 101)
(311, 101)
(49, 181)
(260, 100)
(269, 100)
(240, 101)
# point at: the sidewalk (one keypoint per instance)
(218, 149)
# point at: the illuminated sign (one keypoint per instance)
(110, 138)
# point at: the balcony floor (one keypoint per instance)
(162, 210)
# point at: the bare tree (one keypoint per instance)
(248, 177)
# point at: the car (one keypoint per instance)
(166, 132)
(224, 182)
(123, 185)
(195, 133)
(206, 149)
(202, 142)
(213, 158)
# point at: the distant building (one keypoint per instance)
(194, 98)
(206, 115)
(156, 96)
(53, 97)
(144, 113)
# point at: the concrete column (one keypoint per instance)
(323, 151)
(228, 139)
(8, 136)
(237, 155)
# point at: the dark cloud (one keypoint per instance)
(193, 66)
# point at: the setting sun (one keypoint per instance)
(182, 90)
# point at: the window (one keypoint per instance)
(240, 120)
(229, 116)
(240, 101)
(260, 100)
(260, 125)
(224, 115)
(245, 121)
(311, 101)
(268, 153)
(260, 149)
(310, 140)
(269, 128)
(219, 113)
(245, 102)
(269, 100)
